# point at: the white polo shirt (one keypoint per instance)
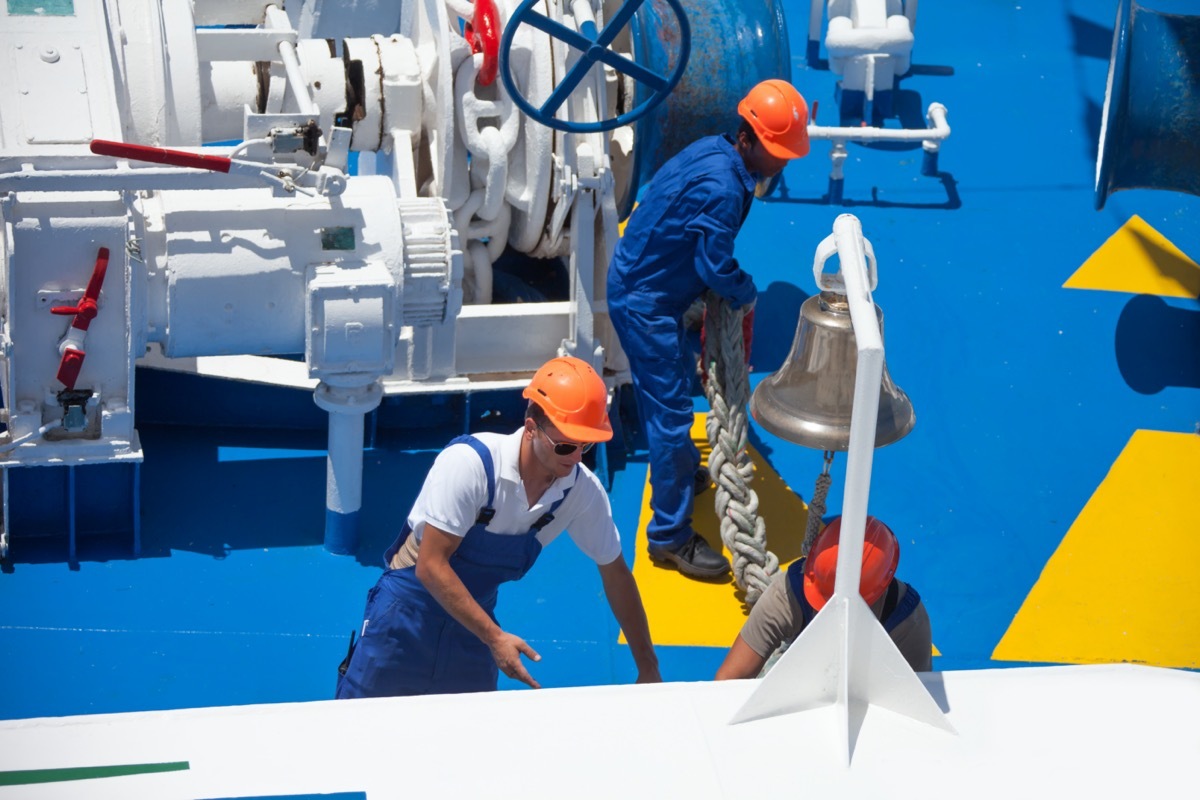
(456, 489)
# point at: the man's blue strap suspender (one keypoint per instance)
(903, 609)
(894, 610)
(488, 511)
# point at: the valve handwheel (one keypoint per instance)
(593, 47)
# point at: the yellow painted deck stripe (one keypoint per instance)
(1122, 585)
(685, 611)
(1139, 260)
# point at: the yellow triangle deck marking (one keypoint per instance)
(1122, 584)
(1139, 260)
(684, 611)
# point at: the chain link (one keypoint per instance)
(487, 120)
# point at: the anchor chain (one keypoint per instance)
(487, 120)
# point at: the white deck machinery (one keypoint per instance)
(869, 44)
(475, 129)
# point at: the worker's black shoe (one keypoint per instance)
(694, 557)
(701, 481)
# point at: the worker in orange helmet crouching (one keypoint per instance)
(794, 597)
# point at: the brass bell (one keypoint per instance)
(808, 401)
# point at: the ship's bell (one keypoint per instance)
(808, 401)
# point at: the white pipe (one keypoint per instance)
(937, 131)
(276, 19)
(343, 478)
(42, 431)
(295, 79)
(241, 175)
(815, 8)
(582, 11)
(215, 45)
(348, 406)
(122, 177)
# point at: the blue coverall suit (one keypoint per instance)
(410, 644)
(677, 243)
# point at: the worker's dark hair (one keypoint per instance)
(536, 413)
(746, 128)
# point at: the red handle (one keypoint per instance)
(160, 155)
(483, 32)
(68, 368)
(86, 311)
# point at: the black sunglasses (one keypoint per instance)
(565, 448)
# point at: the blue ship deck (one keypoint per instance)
(1043, 501)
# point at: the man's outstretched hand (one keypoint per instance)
(506, 651)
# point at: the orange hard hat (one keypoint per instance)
(574, 398)
(881, 555)
(779, 117)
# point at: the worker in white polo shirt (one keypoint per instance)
(489, 504)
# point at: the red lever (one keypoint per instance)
(68, 368)
(160, 155)
(85, 312)
(483, 32)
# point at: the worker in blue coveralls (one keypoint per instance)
(794, 597)
(489, 504)
(677, 243)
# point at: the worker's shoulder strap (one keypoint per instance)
(488, 511)
(485, 455)
(485, 514)
(895, 609)
(548, 517)
(795, 576)
(896, 612)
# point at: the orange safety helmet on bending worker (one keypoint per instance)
(881, 556)
(779, 116)
(574, 398)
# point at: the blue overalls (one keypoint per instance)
(894, 610)
(410, 644)
(677, 243)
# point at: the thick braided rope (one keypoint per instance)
(816, 510)
(743, 531)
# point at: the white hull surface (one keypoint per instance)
(1074, 731)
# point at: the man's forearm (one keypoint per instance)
(448, 589)
(626, 603)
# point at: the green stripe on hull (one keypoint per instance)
(21, 777)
